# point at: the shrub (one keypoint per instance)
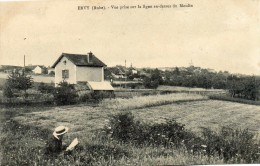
(85, 97)
(232, 145)
(45, 88)
(100, 95)
(65, 94)
(124, 128)
(7, 91)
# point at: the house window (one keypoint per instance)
(65, 74)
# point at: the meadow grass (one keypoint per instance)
(23, 144)
(32, 125)
(149, 101)
(94, 149)
(197, 115)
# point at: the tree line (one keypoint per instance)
(241, 86)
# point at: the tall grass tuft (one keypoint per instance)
(149, 101)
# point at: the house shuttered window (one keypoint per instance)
(65, 74)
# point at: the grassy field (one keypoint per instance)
(195, 115)
(196, 112)
(201, 114)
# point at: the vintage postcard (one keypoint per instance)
(148, 82)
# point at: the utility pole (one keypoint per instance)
(125, 73)
(23, 64)
(24, 61)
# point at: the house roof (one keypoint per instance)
(81, 60)
(100, 85)
(116, 70)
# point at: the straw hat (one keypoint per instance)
(60, 131)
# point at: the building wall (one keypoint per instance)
(90, 73)
(37, 70)
(68, 66)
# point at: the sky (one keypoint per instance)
(221, 35)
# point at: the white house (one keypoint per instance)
(38, 69)
(78, 68)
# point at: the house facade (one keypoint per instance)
(78, 68)
(38, 70)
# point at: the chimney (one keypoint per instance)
(89, 56)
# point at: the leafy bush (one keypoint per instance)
(229, 144)
(65, 94)
(123, 127)
(85, 97)
(45, 88)
(100, 95)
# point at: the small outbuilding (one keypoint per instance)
(81, 69)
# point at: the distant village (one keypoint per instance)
(118, 73)
(88, 69)
(88, 72)
(114, 73)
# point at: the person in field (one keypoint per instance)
(55, 145)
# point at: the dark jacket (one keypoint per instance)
(53, 145)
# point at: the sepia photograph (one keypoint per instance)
(129, 82)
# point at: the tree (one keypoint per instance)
(149, 83)
(8, 92)
(65, 94)
(156, 76)
(154, 81)
(243, 87)
(251, 90)
(176, 71)
(20, 82)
